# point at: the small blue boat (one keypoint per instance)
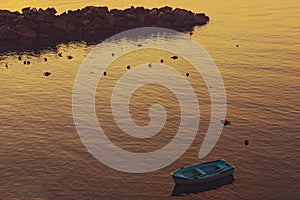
(202, 173)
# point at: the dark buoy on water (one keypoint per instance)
(28, 62)
(45, 59)
(6, 65)
(237, 45)
(69, 57)
(19, 58)
(161, 60)
(226, 122)
(128, 66)
(47, 73)
(24, 62)
(246, 142)
(112, 54)
(187, 74)
(59, 54)
(174, 57)
(150, 65)
(191, 33)
(104, 73)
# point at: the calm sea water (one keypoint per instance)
(41, 155)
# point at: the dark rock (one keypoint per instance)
(71, 28)
(30, 24)
(180, 14)
(25, 10)
(51, 11)
(38, 28)
(116, 12)
(147, 20)
(110, 19)
(25, 31)
(59, 24)
(130, 23)
(153, 13)
(120, 22)
(8, 33)
(43, 36)
(131, 17)
(165, 9)
(201, 18)
(49, 18)
(33, 11)
(45, 27)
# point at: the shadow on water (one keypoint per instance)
(196, 188)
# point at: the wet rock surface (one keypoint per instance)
(38, 28)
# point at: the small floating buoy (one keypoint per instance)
(47, 73)
(174, 57)
(59, 54)
(69, 57)
(45, 59)
(24, 62)
(104, 73)
(139, 45)
(226, 122)
(6, 65)
(246, 142)
(150, 65)
(161, 60)
(187, 74)
(28, 62)
(112, 54)
(128, 66)
(19, 58)
(237, 45)
(191, 33)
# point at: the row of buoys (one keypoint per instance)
(68, 57)
(172, 57)
(150, 65)
(27, 62)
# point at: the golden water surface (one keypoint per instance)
(41, 155)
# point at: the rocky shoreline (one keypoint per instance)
(38, 29)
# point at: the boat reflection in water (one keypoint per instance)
(180, 189)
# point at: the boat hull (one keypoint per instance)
(203, 172)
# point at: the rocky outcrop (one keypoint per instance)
(34, 29)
